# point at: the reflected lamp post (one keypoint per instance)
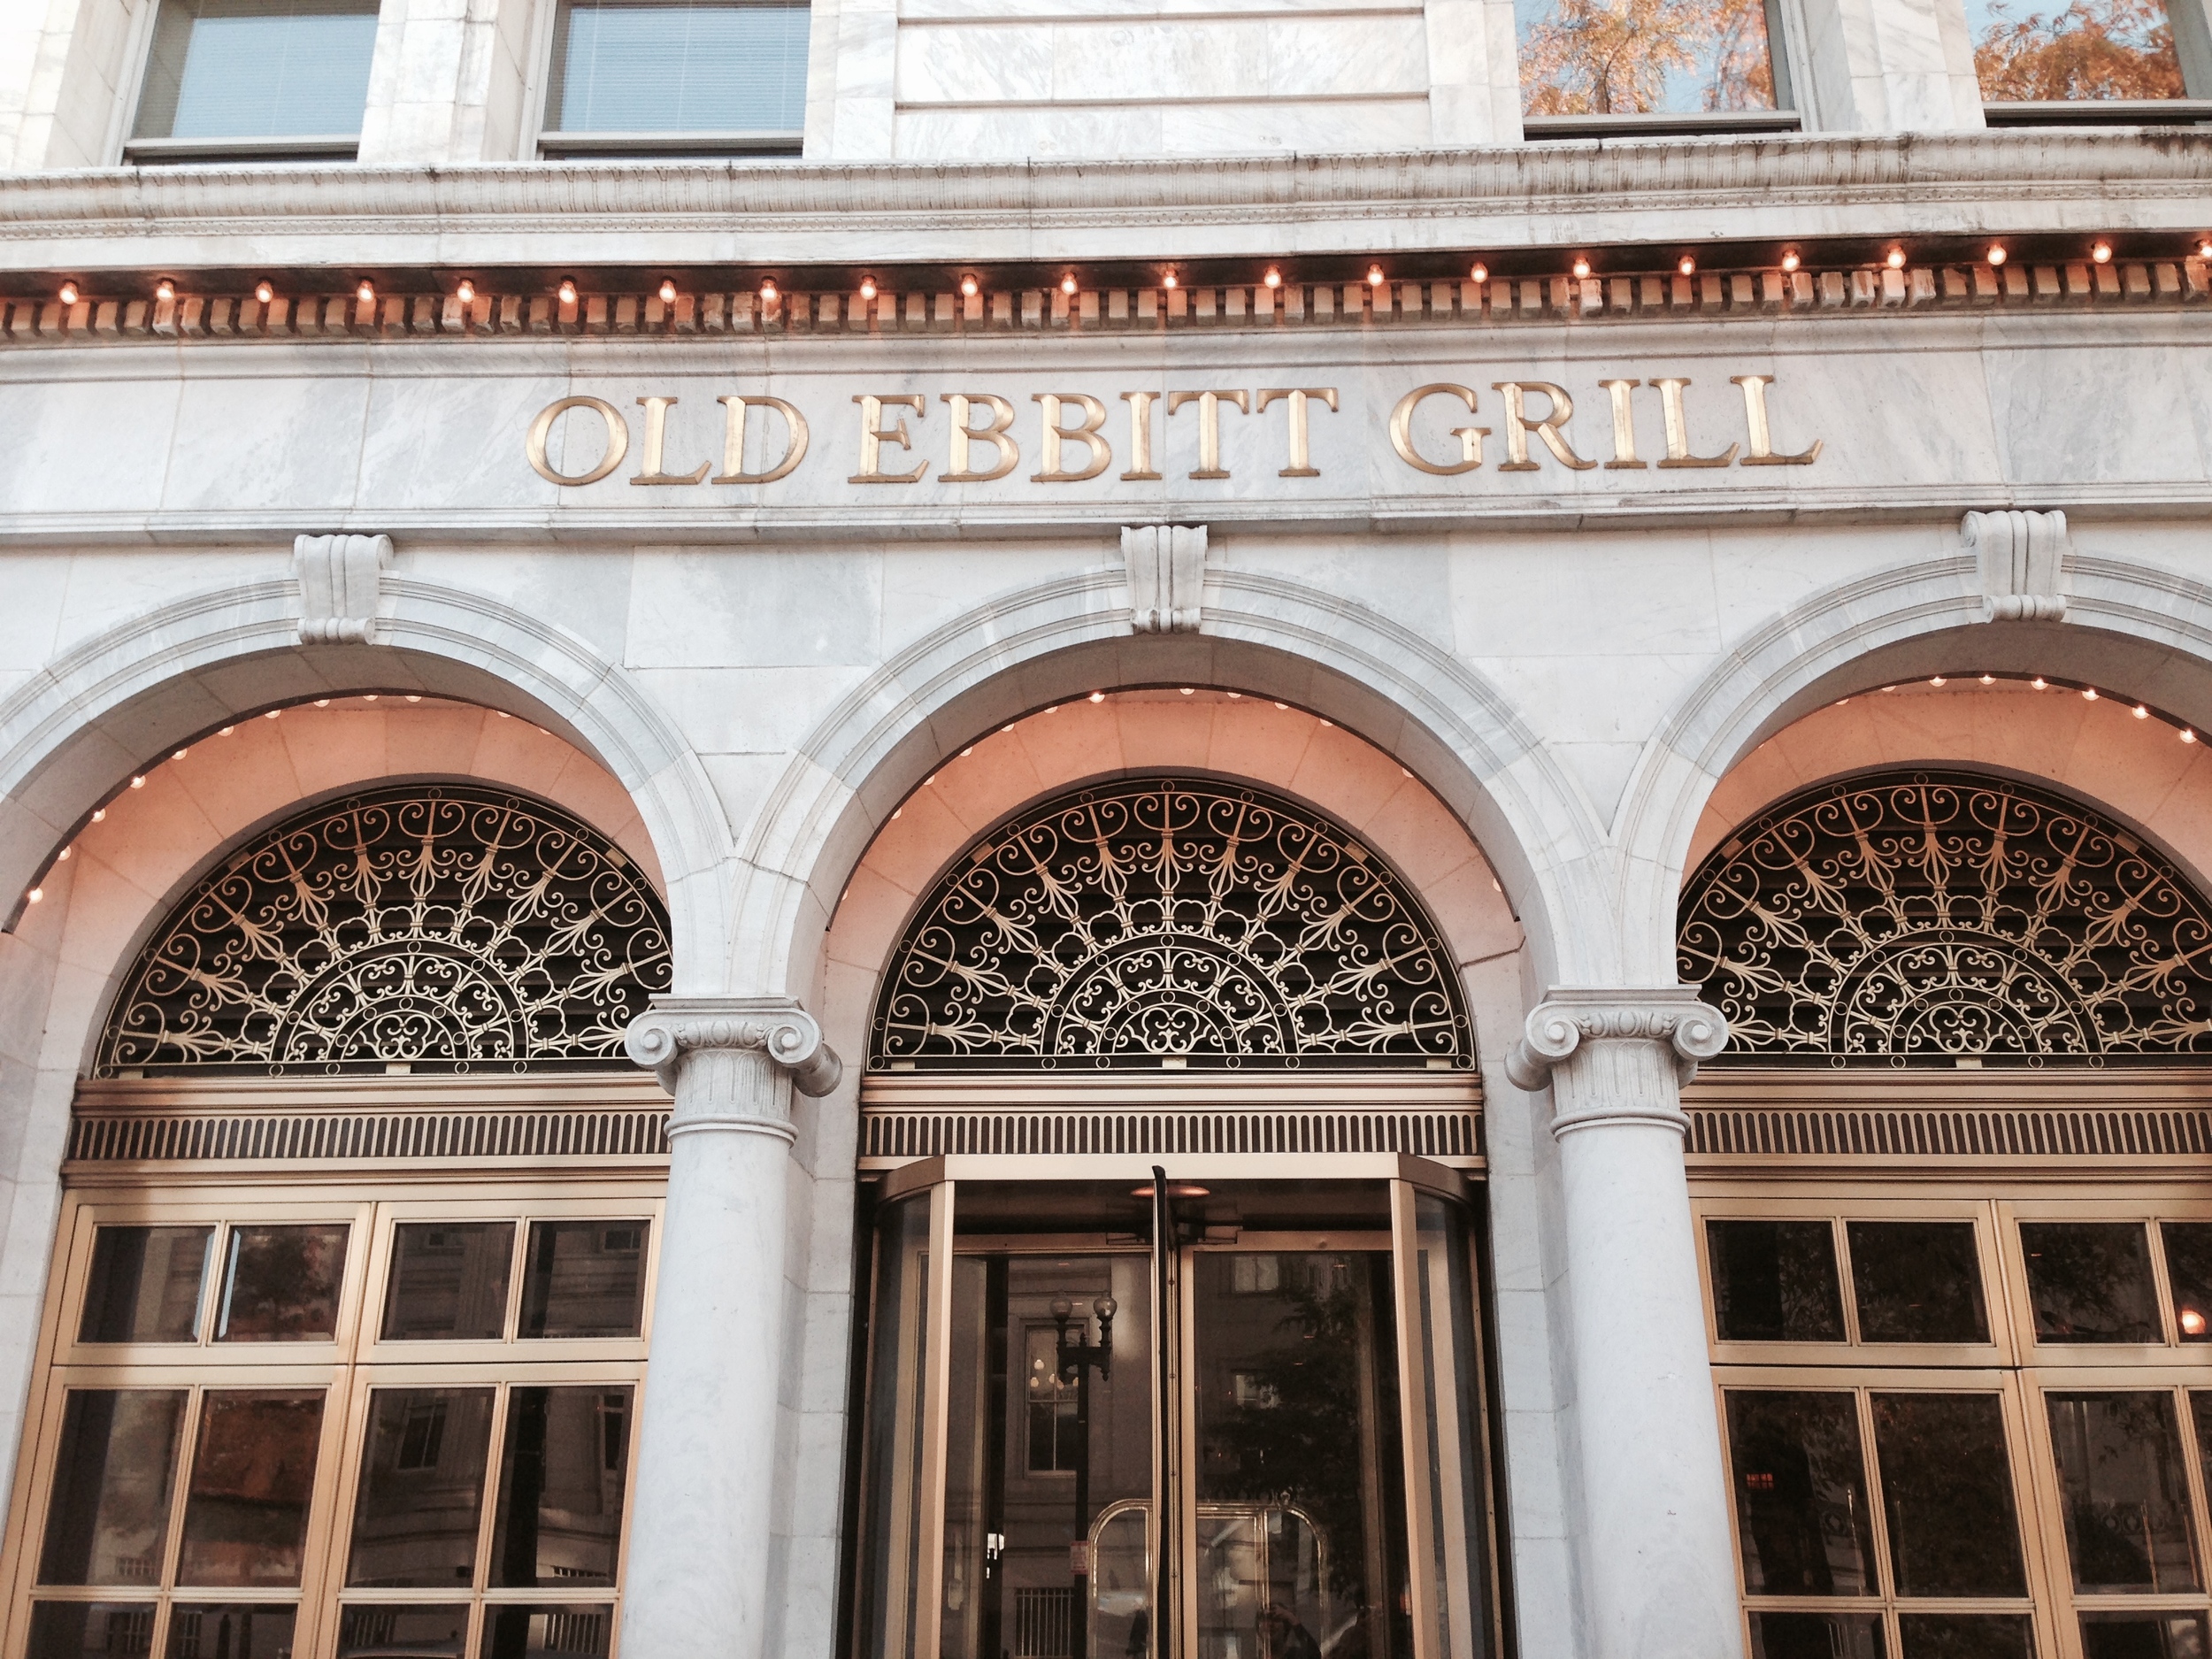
(1078, 1356)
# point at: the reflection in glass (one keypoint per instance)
(415, 1631)
(280, 1284)
(1966, 1636)
(547, 1633)
(892, 1443)
(145, 1284)
(1643, 56)
(257, 69)
(1049, 1432)
(2143, 1636)
(1801, 1493)
(1775, 1281)
(2127, 1506)
(1916, 1281)
(561, 1476)
(584, 1278)
(2026, 51)
(253, 1476)
(113, 1471)
(1300, 1545)
(449, 1280)
(1444, 1350)
(422, 1488)
(1816, 1636)
(677, 66)
(2189, 1274)
(2090, 1281)
(231, 1632)
(91, 1629)
(1946, 1485)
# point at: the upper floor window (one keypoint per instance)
(1600, 66)
(665, 76)
(274, 79)
(2086, 59)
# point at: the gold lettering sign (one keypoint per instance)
(1070, 422)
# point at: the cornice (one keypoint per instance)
(1595, 191)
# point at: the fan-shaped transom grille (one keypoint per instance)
(1169, 921)
(1930, 918)
(447, 928)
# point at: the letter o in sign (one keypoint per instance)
(542, 428)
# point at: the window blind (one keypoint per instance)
(662, 67)
(257, 69)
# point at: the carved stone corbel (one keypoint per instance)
(1167, 576)
(758, 1041)
(1580, 1022)
(340, 577)
(2022, 557)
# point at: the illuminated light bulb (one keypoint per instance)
(969, 287)
(1055, 709)
(1936, 681)
(1098, 696)
(1167, 279)
(897, 812)
(63, 857)
(368, 697)
(465, 291)
(1790, 261)
(1236, 696)
(366, 292)
(1273, 278)
(1989, 680)
(1006, 728)
(1996, 254)
(2040, 683)
(1895, 258)
(265, 290)
(2142, 713)
(967, 751)
(322, 703)
(2192, 1322)
(273, 714)
(99, 815)
(1581, 265)
(164, 290)
(138, 782)
(67, 294)
(1686, 264)
(769, 292)
(868, 287)
(567, 290)
(180, 755)
(2102, 253)
(1067, 283)
(502, 714)
(1188, 690)
(227, 731)
(1480, 273)
(1889, 688)
(2089, 694)
(412, 698)
(2204, 248)
(1374, 276)
(36, 894)
(668, 291)
(2188, 736)
(1282, 705)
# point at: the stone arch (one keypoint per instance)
(2130, 627)
(103, 709)
(1263, 634)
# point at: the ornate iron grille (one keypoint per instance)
(1166, 921)
(452, 929)
(1927, 918)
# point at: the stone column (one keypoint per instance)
(1658, 1561)
(696, 1575)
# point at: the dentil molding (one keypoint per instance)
(675, 1027)
(1571, 1016)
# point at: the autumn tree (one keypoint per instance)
(2094, 49)
(1618, 57)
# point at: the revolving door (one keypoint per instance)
(1218, 1420)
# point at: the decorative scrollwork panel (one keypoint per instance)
(447, 928)
(1929, 919)
(1170, 922)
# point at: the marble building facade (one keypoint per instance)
(1099, 395)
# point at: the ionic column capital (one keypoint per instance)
(1571, 1016)
(770, 1037)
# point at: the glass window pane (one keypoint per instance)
(257, 69)
(2142, 1636)
(1816, 1636)
(145, 1284)
(449, 1280)
(231, 1632)
(422, 1488)
(253, 1475)
(1917, 1281)
(2188, 1271)
(1966, 1636)
(561, 1476)
(108, 1519)
(2127, 1508)
(2025, 52)
(2090, 1281)
(584, 1278)
(1775, 1281)
(1947, 1488)
(416, 1632)
(1643, 56)
(91, 1629)
(280, 1284)
(548, 1632)
(678, 66)
(1801, 1493)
